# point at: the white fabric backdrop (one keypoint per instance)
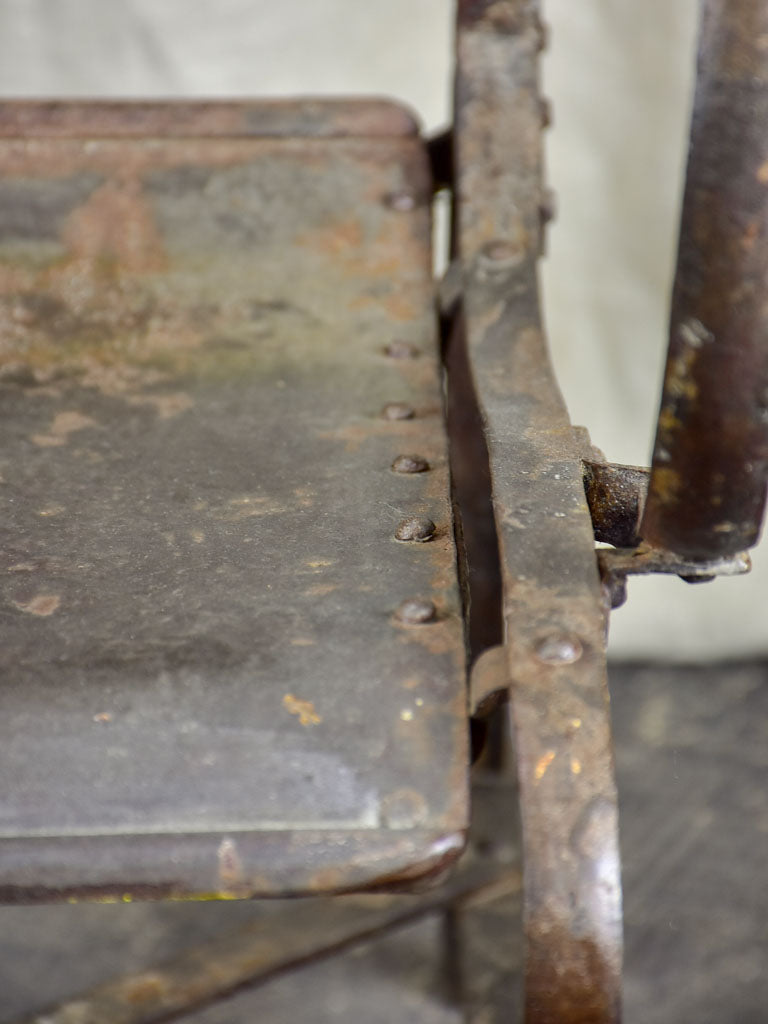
(619, 73)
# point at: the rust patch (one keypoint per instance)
(354, 435)
(116, 225)
(667, 484)
(145, 988)
(42, 605)
(405, 808)
(230, 867)
(320, 589)
(166, 406)
(64, 424)
(249, 506)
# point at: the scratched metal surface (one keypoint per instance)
(205, 683)
(554, 614)
(707, 492)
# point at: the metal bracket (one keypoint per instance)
(616, 496)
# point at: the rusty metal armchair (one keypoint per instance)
(254, 562)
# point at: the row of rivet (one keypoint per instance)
(414, 529)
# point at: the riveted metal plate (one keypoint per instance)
(205, 686)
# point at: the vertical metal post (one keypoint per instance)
(553, 655)
(710, 462)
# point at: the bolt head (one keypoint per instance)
(415, 528)
(558, 649)
(416, 612)
(410, 464)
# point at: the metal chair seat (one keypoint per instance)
(223, 673)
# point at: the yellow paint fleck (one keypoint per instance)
(43, 604)
(319, 563)
(197, 536)
(576, 723)
(127, 898)
(202, 897)
(406, 715)
(543, 764)
(305, 709)
(576, 766)
(419, 702)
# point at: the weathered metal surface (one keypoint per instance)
(304, 118)
(206, 684)
(616, 497)
(710, 462)
(553, 608)
(616, 564)
(304, 931)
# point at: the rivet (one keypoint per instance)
(410, 464)
(415, 528)
(502, 254)
(401, 350)
(558, 649)
(402, 202)
(398, 411)
(415, 612)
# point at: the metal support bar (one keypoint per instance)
(710, 462)
(554, 649)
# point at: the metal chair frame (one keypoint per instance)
(531, 497)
